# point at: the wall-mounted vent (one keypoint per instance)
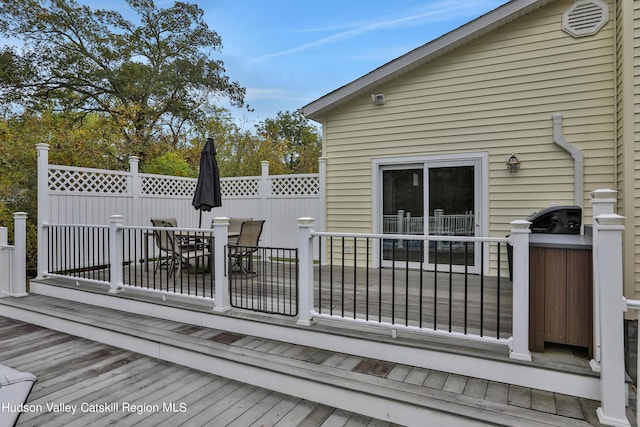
(585, 17)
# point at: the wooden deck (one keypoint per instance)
(454, 302)
(70, 370)
(82, 382)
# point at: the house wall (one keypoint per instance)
(627, 57)
(632, 252)
(495, 95)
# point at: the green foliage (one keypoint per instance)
(75, 141)
(301, 141)
(6, 220)
(98, 88)
(153, 77)
(239, 152)
(170, 163)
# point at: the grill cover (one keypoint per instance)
(557, 220)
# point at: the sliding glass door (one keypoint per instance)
(403, 212)
(436, 198)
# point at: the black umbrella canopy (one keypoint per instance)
(208, 194)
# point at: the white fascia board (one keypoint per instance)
(452, 40)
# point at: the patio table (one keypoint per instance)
(180, 236)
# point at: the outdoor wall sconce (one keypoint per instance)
(513, 164)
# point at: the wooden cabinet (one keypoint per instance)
(560, 297)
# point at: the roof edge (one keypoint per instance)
(455, 38)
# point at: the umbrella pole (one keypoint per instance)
(200, 223)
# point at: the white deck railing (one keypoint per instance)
(309, 311)
(608, 304)
(439, 225)
(13, 258)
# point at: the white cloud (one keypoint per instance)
(442, 10)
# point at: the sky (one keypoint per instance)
(290, 53)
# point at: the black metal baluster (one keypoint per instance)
(450, 284)
(393, 281)
(380, 257)
(435, 286)
(319, 274)
(482, 289)
(420, 308)
(157, 255)
(367, 280)
(466, 285)
(68, 245)
(406, 283)
(331, 276)
(342, 279)
(105, 254)
(498, 295)
(355, 278)
(50, 240)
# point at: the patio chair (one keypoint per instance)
(235, 226)
(15, 387)
(178, 253)
(160, 240)
(246, 245)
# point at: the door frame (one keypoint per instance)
(482, 214)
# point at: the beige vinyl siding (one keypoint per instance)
(494, 95)
(627, 57)
(619, 57)
(632, 282)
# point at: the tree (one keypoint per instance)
(153, 78)
(239, 152)
(302, 141)
(170, 163)
(74, 142)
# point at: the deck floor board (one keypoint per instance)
(76, 371)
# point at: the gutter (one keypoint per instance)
(578, 158)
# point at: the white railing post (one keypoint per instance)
(305, 257)
(220, 241)
(43, 207)
(603, 201)
(19, 288)
(322, 193)
(116, 236)
(519, 346)
(5, 263)
(612, 306)
(135, 188)
(264, 208)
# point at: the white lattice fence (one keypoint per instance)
(78, 180)
(295, 185)
(90, 196)
(240, 187)
(167, 186)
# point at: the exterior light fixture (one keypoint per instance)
(378, 98)
(513, 164)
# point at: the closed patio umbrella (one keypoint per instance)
(208, 194)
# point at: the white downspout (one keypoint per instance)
(578, 158)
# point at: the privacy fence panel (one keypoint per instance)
(90, 196)
(87, 196)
